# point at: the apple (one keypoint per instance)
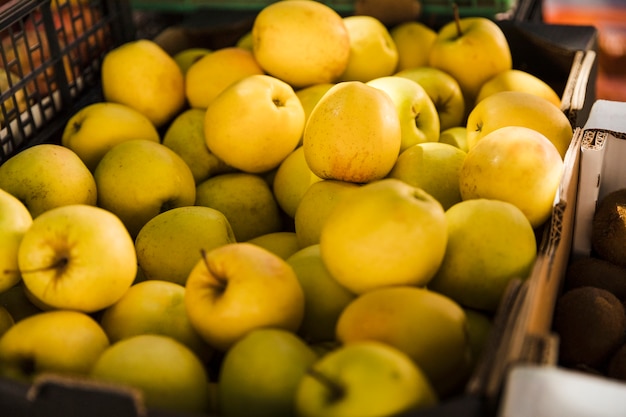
(17, 302)
(519, 108)
(97, 127)
(46, 176)
(301, 42)
(245, 199)
(518, 80)
(324, 297)
(214, 72)
(309, 96)
(153, 307)
(434, 167)
(490, 243)
(64, 342)
(142, 75)
(138, 179)
(169, 375)
(284, 244)
(16, 104)
(168, 246)
(15, 220)
(429, 327)
(455, 136)
(480, 325)
(240, 287)
(189, 56)
(254, 124)
(6, 320)
(260, 373)
(399, 229)
(315, 205)
(245, 41)
(291, 180)
(413, 40)
(185, 136)
(365, 378)
(472, 50)
(444, 91)
(334, 144)
(77, 257)
(514, 164)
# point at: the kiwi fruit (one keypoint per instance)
(591, 325)
(608, 228)
(596, 272)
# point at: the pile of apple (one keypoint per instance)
(318, 221)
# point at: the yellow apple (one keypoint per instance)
(77, 257)
(291, 180)
(15, 220)
(189, 56)
(429, 327)
(169, 245)
(518, 108)
(373, 52)
(353, 134)
(514, 164)
(6, 320)
(139, 179)
(245, 41)
(518, 80)
(8, 80)
(245, 199)
(214, 72)
(254, 124)
(142, 75)
(455, 136)
(309, 96)
(46, 176)
(240, 287)
(413, 40)
(399, 229)
(97, 127)
(301, 42)
(284, 244)
(169, 375)
(17, 302)
(316, 204)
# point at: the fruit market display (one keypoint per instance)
(320, 220)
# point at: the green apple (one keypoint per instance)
(419, 120)
(240, 287)
(490, 243)
(399, 229)
(254, 123)
(301, 42)
(444, 91)
(291, 180)
(429, 327)
(413, 40)
(185, 136)
(519, 108)
(17, 302)
(434, 167)
(315, 205)
(46, 176)
(245, 199)
(168, 374)
(456, 136)
(514, 164)
(189, 56)
(153, 307)
(333, 138)
(324, 297)
(373, 52)
(472, 50)
(15, 220)
(366, 379)
(97, 127)
(77, 257)
(6, 320)
(518, 80)
(139, 179)
(284, 244)
(260, 373)
(169, 245)
(64, 342)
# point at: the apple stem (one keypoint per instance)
(457, 19)
(336, 390)
(221, 282)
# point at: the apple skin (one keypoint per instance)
(398, 228)
(514, 164)
(167, 373)
(65, 342)
(189, 56)
(490, 242)
(6, 320)
(254, 124)
(260, 373)
(456, 136)
(284, 243)
(46, 176)
(15, 220)
(413, 41)
(518, 80)
(366, 379)
(77, 257)
(240, 287)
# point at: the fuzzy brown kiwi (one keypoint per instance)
(608, 230)
(596, 272)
